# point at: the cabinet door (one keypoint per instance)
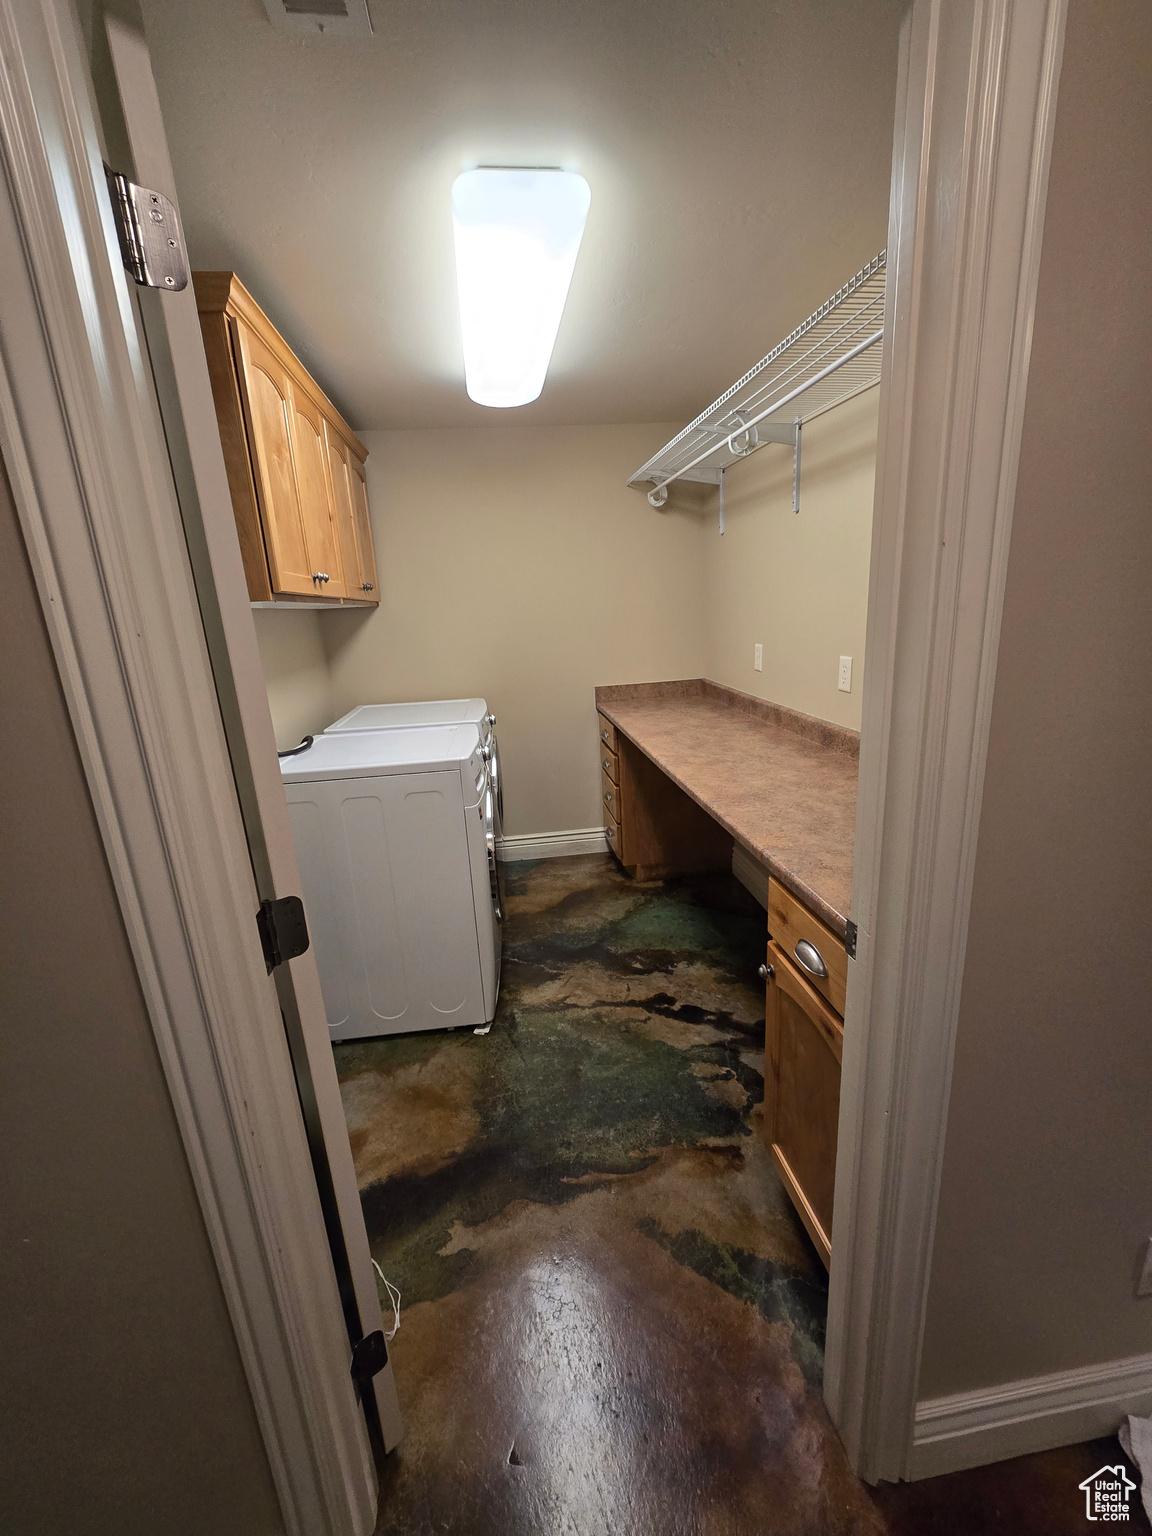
(359, 575)
(315, 493)
(268, 406)
(369, 581)
(803, 1048)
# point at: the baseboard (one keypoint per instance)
(971, 1429)
(552, 845)
(752, 875)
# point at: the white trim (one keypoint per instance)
(92, 484)
(1039, 1413)
(975, 114)
(552, 845)
(752, 875)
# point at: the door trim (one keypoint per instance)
(975, 116)
(87, 461)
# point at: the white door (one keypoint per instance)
(174, 345)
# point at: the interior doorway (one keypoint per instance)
(873, 1400)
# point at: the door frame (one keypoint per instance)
(90, 474)
(975, 115)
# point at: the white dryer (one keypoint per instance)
(395, 833)
(396, 717)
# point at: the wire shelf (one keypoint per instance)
(834, 355)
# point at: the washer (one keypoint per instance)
(395, 832)
(394, 717)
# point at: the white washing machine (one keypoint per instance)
(397, 717)
(395, 832)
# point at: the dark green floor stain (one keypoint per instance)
(574, 1084)
(781, 1295)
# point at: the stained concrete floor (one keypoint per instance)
(613, 1321)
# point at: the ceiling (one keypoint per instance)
(738, 153)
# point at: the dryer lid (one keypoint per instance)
(367, 754)
(390, 717)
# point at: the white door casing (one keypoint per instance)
(975, 115)
(86, 458)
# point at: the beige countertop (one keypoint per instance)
(783, 783)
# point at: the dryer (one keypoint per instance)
(395, 833)
(395, 717)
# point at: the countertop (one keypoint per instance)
(783, 783)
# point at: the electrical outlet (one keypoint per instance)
(845, 682)
(1144, 1284)
(758, 657)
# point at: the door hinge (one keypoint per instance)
(151, 240)
(850, 940)
(369, 1358)
(283, 930)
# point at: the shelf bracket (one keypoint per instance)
(797, 425)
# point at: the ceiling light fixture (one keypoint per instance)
(518, 233)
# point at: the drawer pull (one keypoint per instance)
(767, 973)
(811, 960)
(604, 734)
(610, 834)
(607, 799)
(607, 765)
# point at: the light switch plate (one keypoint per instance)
(758, 658)
(1144, 1284)
(845, 682)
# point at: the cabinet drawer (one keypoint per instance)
(803, 1048)
(610, 764)
(607, 734)
(798, 932)
(610, 795)
(612, 835)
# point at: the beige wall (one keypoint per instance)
(796, 583)
(124, 1407)
(296, 671)
(515, 564)
(1047, 1193)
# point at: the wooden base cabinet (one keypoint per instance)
(804, 1040)
(650, 824)
(295, 467)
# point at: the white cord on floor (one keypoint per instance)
(394, 1298)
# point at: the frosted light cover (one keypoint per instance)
(518, 233)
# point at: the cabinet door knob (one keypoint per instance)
(811, 960)
(366, 586)
(767, 972)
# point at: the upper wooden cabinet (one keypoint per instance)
(354, 526)
(295, 467)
